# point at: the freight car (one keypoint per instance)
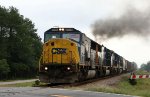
(69, 56)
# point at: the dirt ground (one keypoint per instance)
(103, 83)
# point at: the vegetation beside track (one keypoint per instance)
(16, 79)
(20, 45)
(124, 87)
(25, 84)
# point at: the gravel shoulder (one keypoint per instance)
(110, 82)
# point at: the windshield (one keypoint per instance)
(75, 37)
(49, 36)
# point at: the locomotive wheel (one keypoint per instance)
(82, 75)
(99, 73)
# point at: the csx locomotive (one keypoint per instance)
(69, 56)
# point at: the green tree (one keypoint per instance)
(145, 66)
(4, 68)
(20, 70)
(19, 43)
(148, 66)
(3, 33)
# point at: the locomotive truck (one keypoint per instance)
(70, 56)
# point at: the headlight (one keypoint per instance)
(46, 68)
(61, 29)
(68, 68)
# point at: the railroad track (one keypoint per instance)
(81, 83)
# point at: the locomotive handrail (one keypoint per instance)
(70, 57)
(40, 61)
(73, 40)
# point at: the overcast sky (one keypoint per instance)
(81, 14)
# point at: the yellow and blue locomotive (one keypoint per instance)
(69, 55)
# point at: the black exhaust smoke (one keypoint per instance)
(132, 21)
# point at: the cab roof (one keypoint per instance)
(63, 30)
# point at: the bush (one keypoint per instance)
(20, 70)
(4, 68)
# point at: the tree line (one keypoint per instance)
(146, 67)
(20, 46)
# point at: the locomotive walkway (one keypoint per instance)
(52, 92)
(17, 81)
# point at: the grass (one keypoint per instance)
(14, 79)
(25, 84)
(124, 87)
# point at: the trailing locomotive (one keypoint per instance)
(69, 56)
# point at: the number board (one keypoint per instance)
(58, 50)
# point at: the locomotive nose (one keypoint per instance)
(61, 51)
